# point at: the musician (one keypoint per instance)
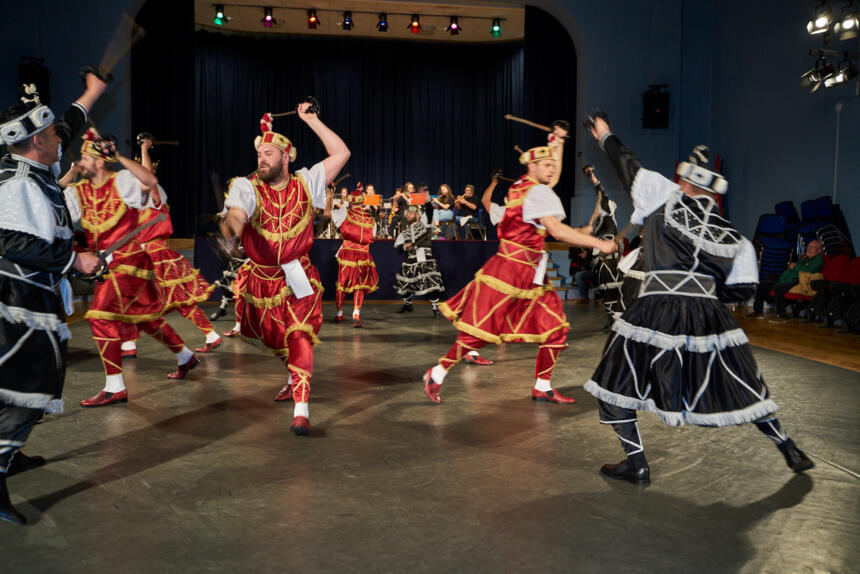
(510, 300)
(280, 300)
(35, 252)
(467, 209)
(182, 284)
(356, 271)
(109, 204)
(419, 274)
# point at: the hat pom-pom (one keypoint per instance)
(90, 135)
(266, 123)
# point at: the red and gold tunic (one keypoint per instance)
(502, 303)
(181, 283)
(129, 292)
(356, 270)
(278, 232)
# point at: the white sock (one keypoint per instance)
(543, 385)
(237, 327)
(340, 312)
(356, 313)
(129, 346)
(114, 383)
(184, 355)
(301, 410)
(212, 336)
(473, 353)
(438, 374)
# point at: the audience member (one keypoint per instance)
(811, 262)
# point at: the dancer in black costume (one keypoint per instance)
(677, 351)
(605, 265)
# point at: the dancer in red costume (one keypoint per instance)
(183, 286)
(356, 271)
(108, 205)
(509, 300)
(272, 212)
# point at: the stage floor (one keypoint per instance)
(203, 475)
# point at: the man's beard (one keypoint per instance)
(85, 173)
(273, 173)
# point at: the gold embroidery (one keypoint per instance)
(134, 271)
(280, 218)
(92, 214)
(510, 290)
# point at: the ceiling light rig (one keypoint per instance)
(268, 20)
(453, 26)
(313, 21)
(847, 70)
(382, 24)
(347, 21)
(414, 24)
(821, 18)
(848, 24)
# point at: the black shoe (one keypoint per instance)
(217, 314)
(794, 457)
(436, 313)
(407, 308)
(21, 462)
(7, 511)
(632, 469)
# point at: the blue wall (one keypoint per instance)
(732, 69)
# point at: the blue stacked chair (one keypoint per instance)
(816, 214)
(788, 211)
(773, 248)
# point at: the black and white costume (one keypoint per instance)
(605, 265)
(631, 270)
(677, 351)
(35, 253)
(419, 274)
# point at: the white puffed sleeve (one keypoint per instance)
(315, 180)
(541, 201)
(241, 195)
(72, 203)
(650, 190)
(497, 212)
(338, 215)
(744, 266)
(130, 189)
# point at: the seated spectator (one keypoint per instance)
(467, 206)
(811, 262)
(580, 268)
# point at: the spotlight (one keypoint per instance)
(847, 70)
(813, 79)
(414, 24)
(382, 25)
(848, 25)
(347, 21)
(268, 19)
(219, 15)
(313, 21)
(820, 22)
(453, 27)
(496, 28)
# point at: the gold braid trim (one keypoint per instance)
(134, 271)
(189, 302)
(307, 329)
(185, 279)
(365, 263)
(277, 300)
(295, 229)
(502, 337)
(110, 316)
(368, 288)
(510, 290)
(109, 223)
(365, 222)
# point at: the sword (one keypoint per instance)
(98, 274)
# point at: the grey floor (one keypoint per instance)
(203, 475)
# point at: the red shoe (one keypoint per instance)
(477, 360)
(551, 396)
(209, 347)
(301, 426)
(338, 318)
(182, 370)
(106, 398)
(231, 333)
(285, 394)
(356, 321)
(431, 389)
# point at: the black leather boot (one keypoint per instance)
(633, 469)
(794, 457)
(21, 462)
(407, 308)
(7, 511)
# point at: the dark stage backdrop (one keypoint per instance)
(408, 110)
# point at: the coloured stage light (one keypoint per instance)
(496, 28)
(268, 19)
(453, 27)
(347, 21)
(414, 24)
(820, 22)
(219, 15)
(313, 21)
(382, 25)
